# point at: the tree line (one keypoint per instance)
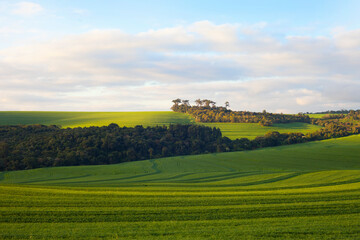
(36, 146)
(206, 111)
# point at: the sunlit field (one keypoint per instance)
(252, 130)
(320, 115)
(86, 119)
(180, 120)
(131, 119)
(303, 191)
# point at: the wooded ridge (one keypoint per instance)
(207, 111)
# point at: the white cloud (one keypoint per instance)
(347, 39)
(27, 8)
(308, 100)
(113, 70)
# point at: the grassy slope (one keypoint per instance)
(85, 119)
(129, 119)
(333, 154)
(316, 115)
(305, 191)
(320, 115)
(252, 130)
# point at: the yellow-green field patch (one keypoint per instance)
(86, 119)
(252, 130)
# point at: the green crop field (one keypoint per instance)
(303, 191)
(320, 115)
(130, 119)
(317, 115)
(252, 130)
(86, 119)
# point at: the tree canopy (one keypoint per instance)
(207, 111)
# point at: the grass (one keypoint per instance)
(130, 119)
(320, 115)
(252, 130)
(317, 115)
(304, 191)
(86, 119)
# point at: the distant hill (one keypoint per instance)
(220, 168)
(131, 119)
(87, 119)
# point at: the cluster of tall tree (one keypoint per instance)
(206, 111)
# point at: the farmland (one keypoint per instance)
(320, 115)
(87, 119)
(252, 130)
(303, 191)
(179, 120)
(131, 119)
(317, 115)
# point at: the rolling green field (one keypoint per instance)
(316, 115)
(86, 119)
(252, 130)
(131, 119)
(320, 115)
(304, 191)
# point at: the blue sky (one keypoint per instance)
(286, 17)
(137, 16)
(283, 56)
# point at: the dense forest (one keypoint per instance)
(207, 111)
(35, 146)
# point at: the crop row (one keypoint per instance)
(84, 213)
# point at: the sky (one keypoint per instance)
(86, 55)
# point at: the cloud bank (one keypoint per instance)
(110, 70)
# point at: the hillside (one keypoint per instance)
(303, 191)
(300, 191)
(328, 155)
(252, 130)
(131, 119)
(86, 119)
